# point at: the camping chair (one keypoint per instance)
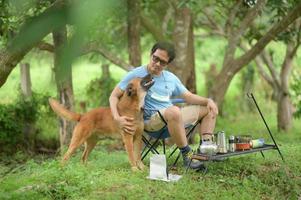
(155, 137)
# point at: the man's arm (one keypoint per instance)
(125, 123)
(114, 99)
(198, 100)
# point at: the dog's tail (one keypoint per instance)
(62, 111)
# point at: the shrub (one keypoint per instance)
(15, 118)
(99, 91)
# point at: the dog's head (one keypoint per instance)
(139, 86)
(135, 92)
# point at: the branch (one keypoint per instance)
(167, 18)
(233, 12)
(270, 35)
(212, 24)
(154, 30)
(249, 18)
(209, 34)
(261, 71)
(269, 63)
(259, 65)
(45, 46)
(94, 47)
(286, 66)
(235, 35)
(52, 18)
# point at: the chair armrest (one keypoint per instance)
(175, 101)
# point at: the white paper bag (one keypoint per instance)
(158, 169)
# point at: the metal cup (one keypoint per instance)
(221, 142)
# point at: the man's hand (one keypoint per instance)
(212, 106)
(126, 124)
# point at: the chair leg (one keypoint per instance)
(163, 142)
(262, 154)
(150, 148)
(174, 164)
(148, 144)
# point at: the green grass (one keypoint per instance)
(108, 175)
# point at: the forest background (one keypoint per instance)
(78, 51)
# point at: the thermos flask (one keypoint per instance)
(221, 142)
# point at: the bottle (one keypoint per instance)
(231, 143)
(221, 142)
(257, 143)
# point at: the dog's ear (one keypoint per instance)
(130, 89)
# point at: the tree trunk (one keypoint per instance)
(134, 32)
(221, 85)
(284, 112)
(183, 65)
(247, 87)
(210, 76)
(63, 77)
(191, 81)
(25, 80)
(29, 126)
(105, 71)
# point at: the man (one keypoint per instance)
(158, 97)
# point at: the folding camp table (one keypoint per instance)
(265, 147)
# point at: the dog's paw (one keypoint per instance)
(63, 163)
(140, 165)
(135, 169)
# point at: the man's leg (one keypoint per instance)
(207, 125)
(175, 124)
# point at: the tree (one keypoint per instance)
(174, 23)
(24, 40)
(280, 81)
(239, 18)
(183, 38)
(134, 32)
(63, 78)
(54, 19)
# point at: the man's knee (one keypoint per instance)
(205, 112)
(212, 114)
(172, 113)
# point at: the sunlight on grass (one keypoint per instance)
(108, 175)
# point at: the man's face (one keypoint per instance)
(158, 60)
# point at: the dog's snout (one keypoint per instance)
(147, 82)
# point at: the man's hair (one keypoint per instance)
(166, 46)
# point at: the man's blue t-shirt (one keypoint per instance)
(158, 96)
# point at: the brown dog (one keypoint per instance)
(100, 122)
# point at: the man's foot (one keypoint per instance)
(191, 163)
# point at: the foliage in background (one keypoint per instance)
(13, 14)
(99, 90)
(16, 116)
(296, 92)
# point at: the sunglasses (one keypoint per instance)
(156, 59)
